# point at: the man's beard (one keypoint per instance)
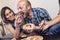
(27, 15)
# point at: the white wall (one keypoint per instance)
(50, 5)
(10, 3)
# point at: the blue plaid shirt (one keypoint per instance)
(39, 14)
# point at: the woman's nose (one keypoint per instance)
(10, 15)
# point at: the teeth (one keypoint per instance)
(19, 19)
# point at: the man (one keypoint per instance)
(34, 15)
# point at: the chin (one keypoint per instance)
(11, 19)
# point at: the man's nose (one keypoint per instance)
(24, 9)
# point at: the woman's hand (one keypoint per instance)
(18, 19)
(18, 23)
(43, 26)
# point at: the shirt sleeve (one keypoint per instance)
(44, 14)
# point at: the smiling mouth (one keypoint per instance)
(11, 17)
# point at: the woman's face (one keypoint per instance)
(9, 15)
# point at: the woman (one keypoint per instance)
(8, 17)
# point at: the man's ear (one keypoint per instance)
(29, 7)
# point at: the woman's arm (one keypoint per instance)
(44, 25)
(10, 28)
(54, 21)
(3, 31)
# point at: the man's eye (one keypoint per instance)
(20, 7)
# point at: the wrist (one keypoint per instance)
(37, 28)
(45, 27)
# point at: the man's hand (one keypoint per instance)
(29, 27)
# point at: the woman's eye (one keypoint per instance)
(10, 12)
(6, 14)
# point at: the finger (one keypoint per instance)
(42, 23)
(45, 27)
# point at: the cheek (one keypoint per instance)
(12, 15)
(7, 16)
(19, 10)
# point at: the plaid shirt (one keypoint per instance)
(39, 14)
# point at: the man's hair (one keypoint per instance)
(25, 1)
(3, 14)
(29, 2)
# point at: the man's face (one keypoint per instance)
(24, 6)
